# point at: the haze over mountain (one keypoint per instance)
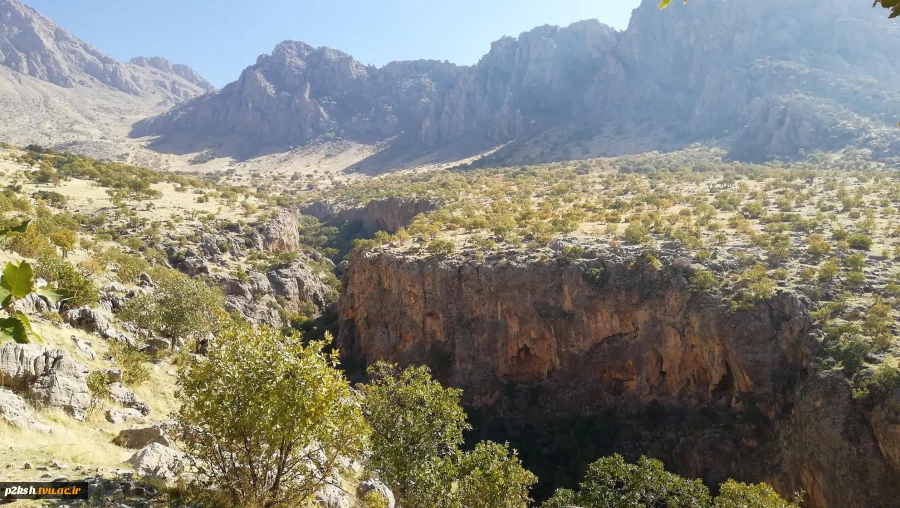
(58, 89)
(763, 77)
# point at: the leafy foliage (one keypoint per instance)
(417, 429)
(270, 419)
(613, 483)
(17, 282)
(179, 307)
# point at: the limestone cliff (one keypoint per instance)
(612, 333)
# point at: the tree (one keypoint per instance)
(180, 306)
(64, 239)
(613, 483)
(268, 419)
(417, 429)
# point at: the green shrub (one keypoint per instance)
(98, 388)
(132, 361)
(850, 351)
(860, 242)
(263, 409)
(613, 483)
(704, 281)
(439, 247)
(54, 269)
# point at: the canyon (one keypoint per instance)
(609, 337)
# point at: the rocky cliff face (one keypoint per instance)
(607, 335)
(388, 214)
(32, 44)
(771, 78)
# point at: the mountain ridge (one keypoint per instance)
(711, 69)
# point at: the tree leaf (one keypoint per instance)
(5, 297)
(18, 278)
(12, 328)
(54, 295)
(27, 324)
(21, 228)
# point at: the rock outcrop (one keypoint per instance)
(609, 335)
(766, 77)
(49, 378)
(385, 214)
(14, 412)
(281, 233)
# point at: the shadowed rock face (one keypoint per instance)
(766, 77)
(604, 336)
(388, 214)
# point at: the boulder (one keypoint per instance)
(124, 415)
(47, 377)
(332, 496)
(367, 486)
(143, 436)
(296, 282)
(128, 398)
(14, 411)
(85, 347)
(114, 375)
(158, 462)
(89, 320)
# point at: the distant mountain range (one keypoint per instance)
(761, 77)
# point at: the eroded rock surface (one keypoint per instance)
(387, 214)
(609, 335)
(46, 377)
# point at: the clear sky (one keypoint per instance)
(219, 38)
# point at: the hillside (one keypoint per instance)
(761, 78)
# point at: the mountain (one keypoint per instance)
(763, 78)
(58, 89)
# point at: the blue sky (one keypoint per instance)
(219, 38)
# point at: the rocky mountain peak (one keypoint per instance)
(181, 70)
(34, 45)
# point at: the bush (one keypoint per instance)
(704, 281)
(132, 361)
(850, 351)
(98, 388)
(637, 233)
(56, 270)
(64, 239)
(180, 307)
(438, 247)
(859, 242)
(261, 410)
(128, 267)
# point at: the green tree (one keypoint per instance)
(417, 429)
(613, 483)
(64, 239)
(269, 419)
(179, 307)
